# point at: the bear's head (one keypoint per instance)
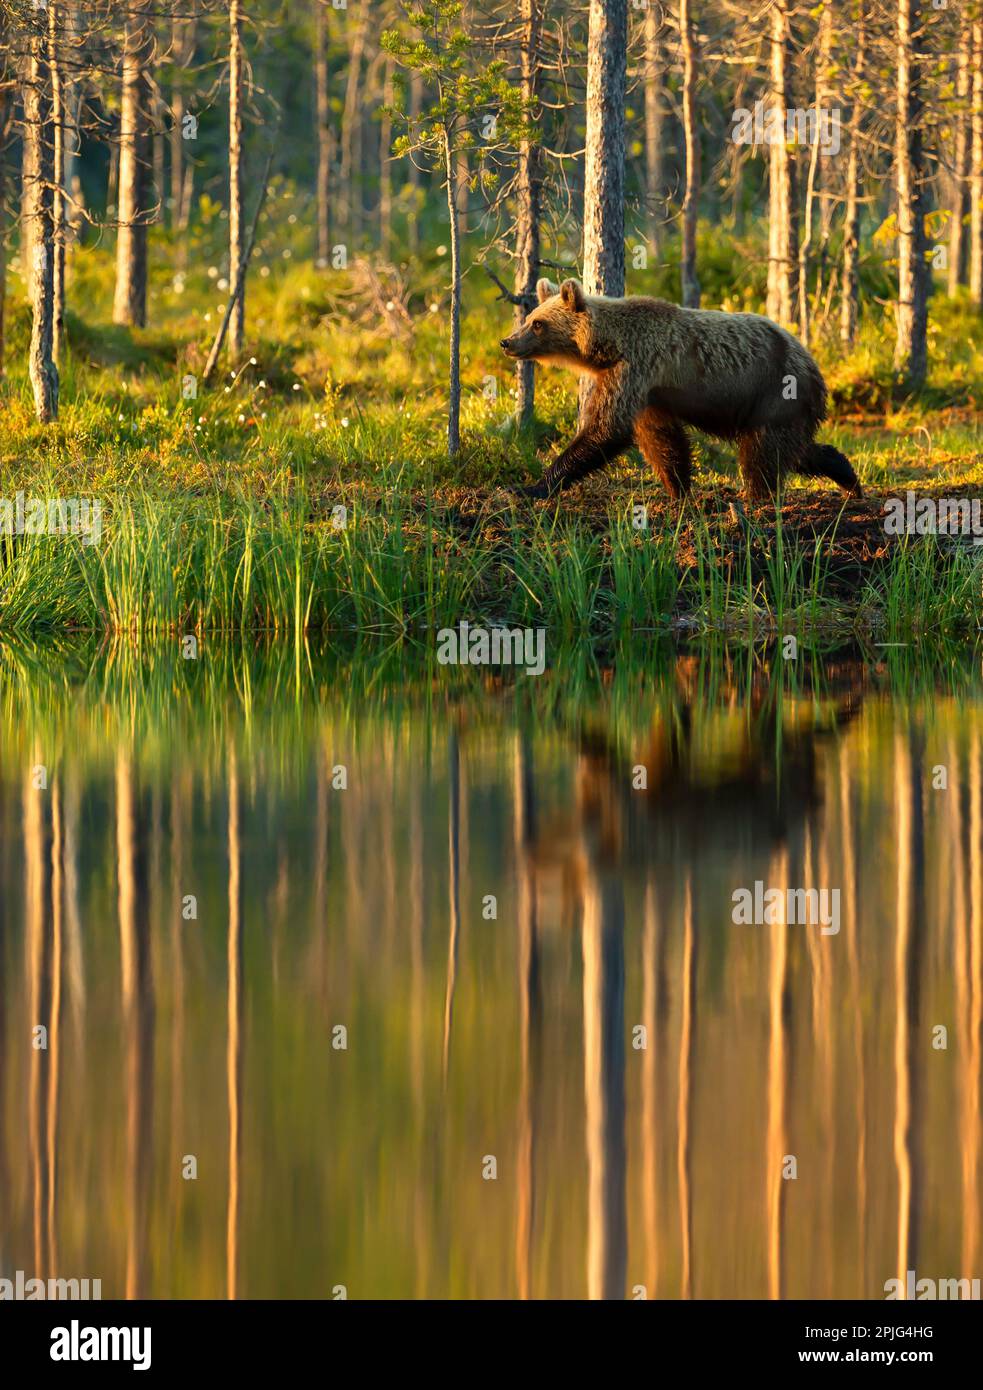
(558, 330)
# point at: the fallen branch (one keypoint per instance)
(240, 280)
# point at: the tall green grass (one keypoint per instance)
(397, 566)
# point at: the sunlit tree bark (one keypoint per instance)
(911, 346)
(130, 300)
(691, 135)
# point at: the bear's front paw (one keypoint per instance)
(535, 491)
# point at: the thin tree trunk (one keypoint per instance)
(827, 161)
(962, 144)
(130, 301)
(976, 180)
(30, 183)
(849, 302)
(604, 163)
(55, 25)
(386, 169)
(324, 140)
(415, 107)
(690, 283)
(818, 180)
(654, 120)
(157, 158)
(911, 347)
(806, 241)
(781, 215)
(529, 183)
(71, 102)
(4, 125)
(182, 50)
(38, 135)
(238, 317)
(462, 177)
(351, 135)
(454, 403)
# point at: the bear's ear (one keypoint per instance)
(572, 294)
(545, 289)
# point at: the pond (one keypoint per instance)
(334, 975)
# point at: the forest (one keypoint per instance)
(258, 258)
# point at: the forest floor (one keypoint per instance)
(339, 403)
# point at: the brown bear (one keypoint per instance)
(657, 368)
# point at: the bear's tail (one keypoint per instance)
(823, 461)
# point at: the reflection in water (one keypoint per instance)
(676, 1104)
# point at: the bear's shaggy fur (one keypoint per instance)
(657, 368)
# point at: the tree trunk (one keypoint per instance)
(30, 183)
(805, 243)
(781, 212)
(976, 180)
(911, 347)
(462, 178)
(351, 135)
(604, 164)
(818, 175)
(690, 283)
(55, 25)
(454, 403)
(71, 101)
(529, 184)
(824, 100)
(130, 301)
(324, 141)
(39, 135)
(386, 169)
(654, 119)
(851, 219)
(962, 143)
(182, 51)
(4, 124)
(238, 318)
(413, 173)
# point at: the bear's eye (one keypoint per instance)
(537, 326)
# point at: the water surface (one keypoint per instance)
(437, 1000)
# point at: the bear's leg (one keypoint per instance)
(664, 445)
(605, 433)
(763, 455)
(823, 461)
